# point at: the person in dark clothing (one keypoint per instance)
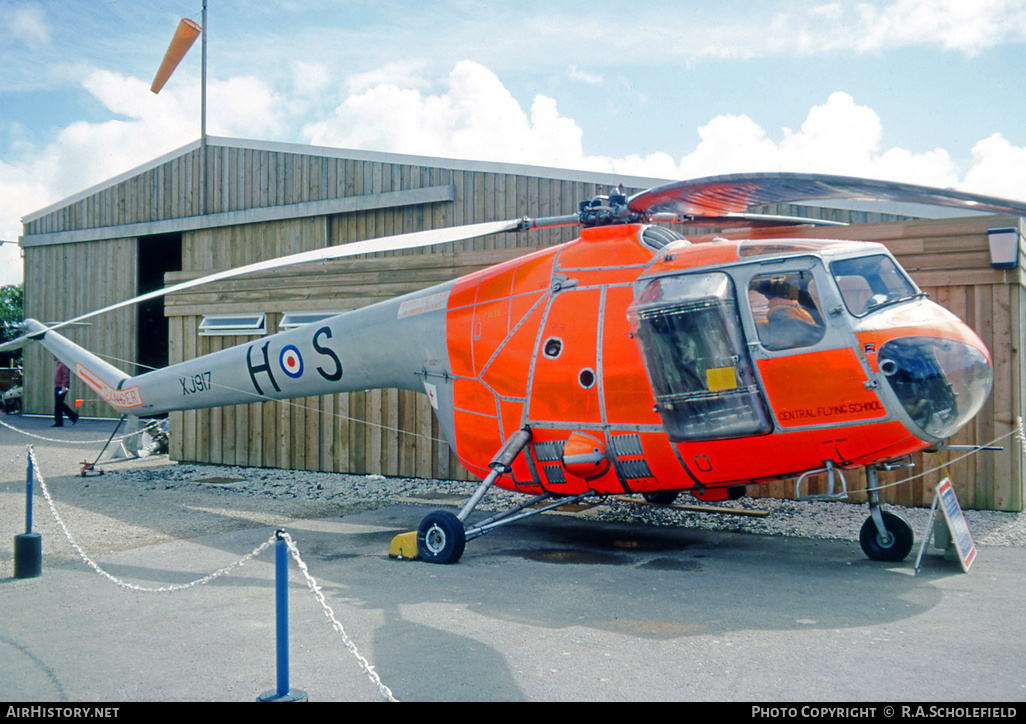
(61, 382)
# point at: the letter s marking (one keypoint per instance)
(327, 352)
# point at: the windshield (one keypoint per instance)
(870, 282)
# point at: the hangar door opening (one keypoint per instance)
(157, 255)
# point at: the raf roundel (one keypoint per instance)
(291, 362)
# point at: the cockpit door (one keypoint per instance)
(807, 357)
(690, 333)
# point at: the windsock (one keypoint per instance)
(185, 36)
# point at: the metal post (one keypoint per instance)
(28, 492)
(28, 546)
(281, 588)
(281, 577)
(203, 115)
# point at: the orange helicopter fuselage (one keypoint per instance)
(642, 364)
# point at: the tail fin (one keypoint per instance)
(102, 377)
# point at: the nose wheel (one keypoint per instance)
(893, 545)
(884, 536)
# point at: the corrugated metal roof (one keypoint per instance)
(358, 155)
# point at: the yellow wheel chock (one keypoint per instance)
(404, 547)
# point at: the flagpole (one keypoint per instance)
(203, 116)
(185, 35)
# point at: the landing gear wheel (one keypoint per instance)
(660, 497)
(893, 550)
(441, 538)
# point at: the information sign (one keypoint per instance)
(956, 523)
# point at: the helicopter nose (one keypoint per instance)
(941, 383)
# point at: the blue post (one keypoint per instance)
(28, 547)
(281, 597)
(281, 579)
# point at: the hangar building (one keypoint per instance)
(167, 221)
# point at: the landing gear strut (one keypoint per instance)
(884, 536)
(441, 536)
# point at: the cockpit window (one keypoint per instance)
(870, 282)
(786, 310)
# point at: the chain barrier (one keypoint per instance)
(117, 581)
(65, 441)
(1018, 432)
(311, 582)
(316, 590)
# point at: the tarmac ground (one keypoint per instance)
(554, 608)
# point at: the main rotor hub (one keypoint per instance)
(607, 210)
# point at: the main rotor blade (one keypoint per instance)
(396, 242)
(719, 195)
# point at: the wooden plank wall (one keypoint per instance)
(390, 432)
(96, 273)
(63, 281)
(169, 191)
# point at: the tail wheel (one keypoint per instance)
(441, 538)
(892, 548)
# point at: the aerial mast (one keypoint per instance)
(185, 35)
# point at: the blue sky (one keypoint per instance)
(925, 91)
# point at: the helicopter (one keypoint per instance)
(630, 360)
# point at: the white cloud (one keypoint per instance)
(730, 143)
(245, 107)
(745, 30)
(584, 76)
(838, 137)
(999, 169)
(25, 23)
(476, 117)
(968, 27)
(19, 191)
(148, 125)
(765, 30)
(85, 153)
(400, 73)
(831, 11)
(309, 78)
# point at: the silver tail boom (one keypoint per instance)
(398, 343)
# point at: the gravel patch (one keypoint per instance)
(309, 492)
(151, 500)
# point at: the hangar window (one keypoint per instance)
(291, 320)
(222, 325)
